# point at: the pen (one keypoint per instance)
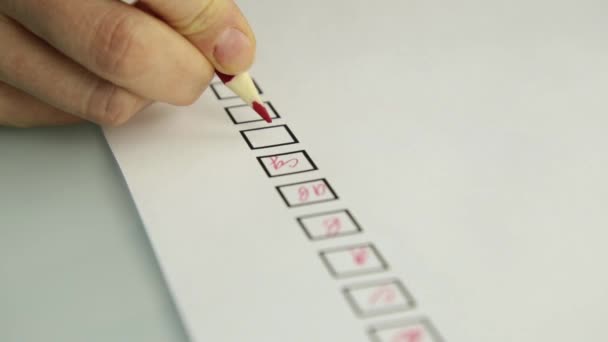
(242, 85)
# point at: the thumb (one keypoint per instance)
(216, 27)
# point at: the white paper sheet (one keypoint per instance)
(439, 174)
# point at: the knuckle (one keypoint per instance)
(108, 104)
(114, 45)
(194, 94)
(190, 94)
(188, 98)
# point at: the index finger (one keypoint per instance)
(216, 27)
(118, 43)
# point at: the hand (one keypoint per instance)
(62, 61)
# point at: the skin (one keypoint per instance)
(64, 61)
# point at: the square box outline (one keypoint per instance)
(310, 203)
(348, 213)
(295, 140)
(332, 271)
(315, 168)
(212, 85)
(374, 329)
(227, 110)
(410, 301)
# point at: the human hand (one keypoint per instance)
(62, 61)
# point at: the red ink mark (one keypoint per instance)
(224, 77)
(359, 255)
(319, 189)
(261, 110)
(277, 164)
(385, 295)
(304, 193)
(412, 335)
(332, 225)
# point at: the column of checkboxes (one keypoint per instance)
(372, 298)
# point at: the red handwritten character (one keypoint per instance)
(277, 164)
(409, 335)
(383, 295)
(360, 255)
(332, 225)
(319, 189)
(304, 193)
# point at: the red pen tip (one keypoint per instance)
(260, 109)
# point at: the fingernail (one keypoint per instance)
(233, 50)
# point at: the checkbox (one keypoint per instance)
(309, 192)
(418, 330)
(271, 136)
(222, 92)
(377, 298)
(353, 260)
(329, 225)
(241, 114)
(287, 163)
